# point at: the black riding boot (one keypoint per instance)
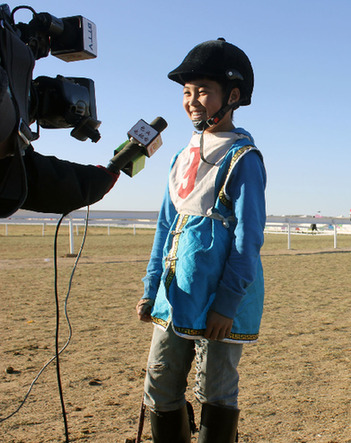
(218, 424)
(170, 427)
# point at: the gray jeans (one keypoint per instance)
(169, 363)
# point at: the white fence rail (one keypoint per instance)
(289, 225)
(306, 225)
(76, 219)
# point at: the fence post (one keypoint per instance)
(335, 236)
(289, 235)
(71, 236)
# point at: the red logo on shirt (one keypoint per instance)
(188, 183)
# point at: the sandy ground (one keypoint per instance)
(295, 382)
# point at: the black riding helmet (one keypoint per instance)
(220, 61)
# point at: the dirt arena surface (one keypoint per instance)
(295, 382)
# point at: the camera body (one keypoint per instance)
(61, 102)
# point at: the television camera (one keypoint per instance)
(61, 102)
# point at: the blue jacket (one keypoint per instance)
(211, 260)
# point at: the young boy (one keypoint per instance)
(204, 283)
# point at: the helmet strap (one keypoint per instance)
(202, 125)
(217, 117)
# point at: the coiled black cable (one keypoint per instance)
(57, 350)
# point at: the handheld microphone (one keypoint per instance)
(144, 141)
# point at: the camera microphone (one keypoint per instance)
(144, 141)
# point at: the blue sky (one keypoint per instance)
(299, 117)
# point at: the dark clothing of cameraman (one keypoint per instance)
(53, 185)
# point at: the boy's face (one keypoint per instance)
(202, 99)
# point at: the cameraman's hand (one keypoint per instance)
(143, 309)
(218, 326)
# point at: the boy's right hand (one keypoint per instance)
(218, 326)
(143, 309)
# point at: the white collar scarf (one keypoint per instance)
(191, 180)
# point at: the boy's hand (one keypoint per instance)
(218, 326)
(143, 309)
